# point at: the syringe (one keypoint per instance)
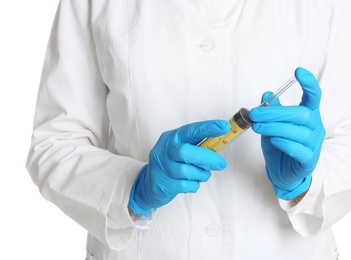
(278, 92)
(240, 122)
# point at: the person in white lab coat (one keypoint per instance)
(130, 87)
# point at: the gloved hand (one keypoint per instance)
(176, 165)
(292, 138)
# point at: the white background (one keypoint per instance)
(32, 228)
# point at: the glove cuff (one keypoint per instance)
(298, 190)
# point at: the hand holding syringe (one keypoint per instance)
(241, 121)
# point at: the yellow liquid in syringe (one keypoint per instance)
(239, 123)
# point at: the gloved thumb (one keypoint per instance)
(311, 91)
(195, 132)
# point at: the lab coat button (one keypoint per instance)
(207, 45)
(212, 230)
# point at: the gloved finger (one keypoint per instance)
(298, 115)
(311, 91)
(266, 95)
(303, 154)
(296, 133)
(195, 132)
(181, 186)
(293, 114)
(200, 157)
(255, 112)
(182, 171)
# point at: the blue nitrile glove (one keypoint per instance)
(292, 137)
(176, 165)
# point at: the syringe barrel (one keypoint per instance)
(239, 123)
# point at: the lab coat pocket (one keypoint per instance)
(90, 257)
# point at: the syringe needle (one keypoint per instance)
(278, 92)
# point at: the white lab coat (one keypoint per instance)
(119, 73)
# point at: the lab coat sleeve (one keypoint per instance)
(329, 197)
(68, 158)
